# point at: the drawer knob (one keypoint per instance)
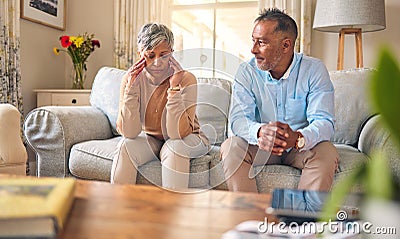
(73, 101)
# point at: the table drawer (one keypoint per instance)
(70, 99)
(62, 97)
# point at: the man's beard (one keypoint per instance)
(271, 64)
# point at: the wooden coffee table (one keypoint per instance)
(102, 210)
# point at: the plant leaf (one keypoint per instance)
(340, 190)
(379, 177)
(385, 91)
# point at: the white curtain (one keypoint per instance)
(300, 11)
(130, 15)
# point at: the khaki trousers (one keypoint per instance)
(318, 165)
(175, 157)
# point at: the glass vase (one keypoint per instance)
(79, 76)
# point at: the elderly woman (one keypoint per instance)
(157, 113)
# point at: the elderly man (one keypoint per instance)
(282, 110)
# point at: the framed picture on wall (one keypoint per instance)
(47, 12)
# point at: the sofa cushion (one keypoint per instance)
(105, 93)
(213, 100)
(93, 160)
(282, 176)
(352, 106)
(349, 158)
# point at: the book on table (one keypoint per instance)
(34, 207)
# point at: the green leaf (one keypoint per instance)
(379, 177)
(375, 175)
(340, 190)
(385, 91)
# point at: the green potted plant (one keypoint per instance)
(381, 188)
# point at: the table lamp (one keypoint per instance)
(350, 17)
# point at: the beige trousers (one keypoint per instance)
(318, 165)
(174, 154)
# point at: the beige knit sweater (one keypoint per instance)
(148, 106)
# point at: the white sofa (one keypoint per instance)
(80, 141)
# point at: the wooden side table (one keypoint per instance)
(62, 97)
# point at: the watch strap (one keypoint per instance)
(299, 138)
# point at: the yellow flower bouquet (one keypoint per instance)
(79, 49)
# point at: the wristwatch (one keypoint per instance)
(300, 142)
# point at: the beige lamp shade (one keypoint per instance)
(334, 15)
(350, 17)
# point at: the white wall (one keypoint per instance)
(325, 45)
(93, 16)
(40, 68)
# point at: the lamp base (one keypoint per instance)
(358, 38)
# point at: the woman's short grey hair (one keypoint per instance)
(152, 34)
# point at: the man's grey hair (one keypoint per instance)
(152, 34)
(285, 22)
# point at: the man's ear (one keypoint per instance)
(287, 44)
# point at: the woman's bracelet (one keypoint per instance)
(175, 88)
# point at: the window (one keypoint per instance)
(213, 36)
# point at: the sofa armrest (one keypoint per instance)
(375, 137)
(13, 154)
(51, 131)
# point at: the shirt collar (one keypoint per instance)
(287, 73)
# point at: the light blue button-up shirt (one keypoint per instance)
(303, 98)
